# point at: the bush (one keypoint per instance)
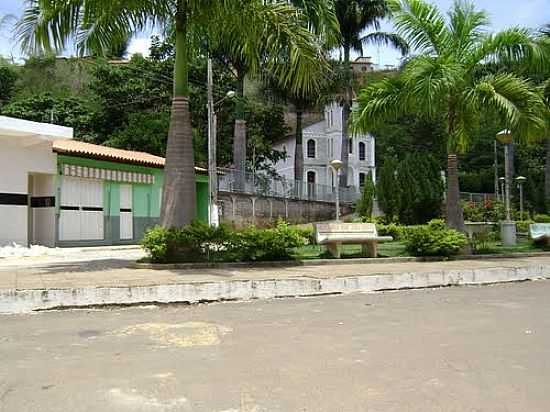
(489, 211)
(434, 239)
(199, 242)
(522, 226)
(394, 230)
(540, 218)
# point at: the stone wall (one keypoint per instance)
(241, 209)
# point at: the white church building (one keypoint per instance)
(322, 143)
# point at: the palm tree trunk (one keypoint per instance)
(547, 174)
(346, 110)
(299, 155)
(239, 134)
(179, 191)
(454, 217)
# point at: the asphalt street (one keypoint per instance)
(453, 349)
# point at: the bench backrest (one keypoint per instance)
(364, 229)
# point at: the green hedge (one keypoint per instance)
(199, 242)
(434, 239)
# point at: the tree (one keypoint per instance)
(365, 205)
(230, 50)
(441, 80)
(354, 17)
(420, 189)
(97, 25)
(388, 188)
(8, 77)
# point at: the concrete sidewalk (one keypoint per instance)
(35, 285)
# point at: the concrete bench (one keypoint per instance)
(336, 234)
(540, 232)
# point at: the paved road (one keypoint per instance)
(457, 349)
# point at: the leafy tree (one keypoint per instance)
(365, 205)
(420, 189)
(442, 81)
(388, 188)
(145, 132)
(66, 111)
(354, 17)
(8, 78)
(96, 25)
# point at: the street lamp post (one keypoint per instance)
(337, 165)
(213, 214)
(501, 180)
(508, 227)
(521, 180)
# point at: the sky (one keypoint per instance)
(503, 13)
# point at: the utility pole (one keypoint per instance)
(213, 217)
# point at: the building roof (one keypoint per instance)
(82, 149)
(12, 127)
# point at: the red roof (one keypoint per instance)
(82, 149)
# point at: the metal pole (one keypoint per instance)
(507, 179)
(338, 195)
(496, 169)
(521, 200)
(212, 173)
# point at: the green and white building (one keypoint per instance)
(55, 191)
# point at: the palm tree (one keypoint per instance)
(321, 21)
(443, 78)
(355, 17)
(95, 25)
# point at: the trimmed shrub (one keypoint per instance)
(199, 242)
(522, 226)
(541, 218)
(394, 230)
(434, 239)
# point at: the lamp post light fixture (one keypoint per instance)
(213, 214)
(337, 165)
(508, 227)
(520, 181)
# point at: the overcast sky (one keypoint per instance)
(503, 13)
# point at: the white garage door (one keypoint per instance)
(126, 215)
(81, 209)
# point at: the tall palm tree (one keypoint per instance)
(443, 79)
(356, 17)
(320, 20)
(95, 25)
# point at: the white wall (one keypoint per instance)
(43, 218)
(19, 157)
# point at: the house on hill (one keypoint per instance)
(322, 143)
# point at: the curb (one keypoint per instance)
(28, 300)
(324, 262)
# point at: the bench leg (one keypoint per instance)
(370, 249)
(334, 249)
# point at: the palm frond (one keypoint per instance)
(467, 26)
(510, 46)
(420, 24)
(94, 25)
(387, 39)
(520, 105)
(378, 103)
(431, 81)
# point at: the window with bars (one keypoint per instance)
(362, 151)
(311, 148)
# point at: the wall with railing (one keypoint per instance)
(233, 181)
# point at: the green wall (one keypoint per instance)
(146, 198)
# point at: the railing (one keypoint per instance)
(262, 185)
(477, 198)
